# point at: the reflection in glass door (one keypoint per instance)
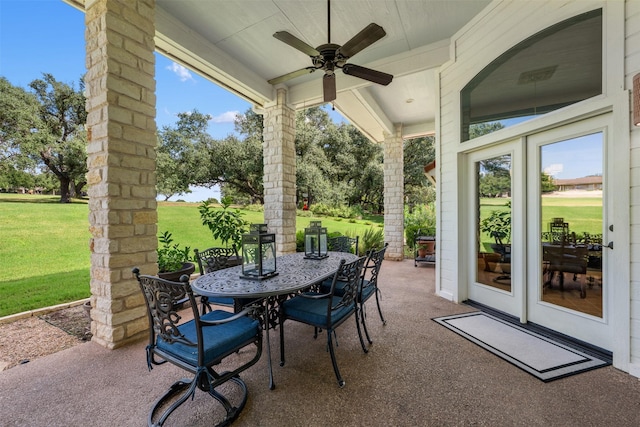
(571, 185)
(493, 222)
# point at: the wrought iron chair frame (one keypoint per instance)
(369, 287)
(166, 330)
(214, 259)
(343, 244)
(330, 310)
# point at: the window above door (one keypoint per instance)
(556, 67)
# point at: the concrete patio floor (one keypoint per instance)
(417, 373)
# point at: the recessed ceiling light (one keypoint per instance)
(409, 101)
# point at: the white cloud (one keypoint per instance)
(180, 71)
(226, 117)
(554, 169)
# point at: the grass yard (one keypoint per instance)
(44, 245)
(584, 214)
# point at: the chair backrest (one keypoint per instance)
(350, 275)
(343, 244)
(163, 302)
(372, 267)
(214, 259)
(569, 259)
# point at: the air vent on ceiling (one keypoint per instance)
(537, 75)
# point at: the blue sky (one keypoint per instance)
(47, 36)
(574, 158)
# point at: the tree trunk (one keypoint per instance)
(65, 196)
(78, 186)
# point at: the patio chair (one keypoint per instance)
(326, 311)
(214, 259)
(343, 244)
(369, 287)
(196, 346)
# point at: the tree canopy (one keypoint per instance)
(42, 135)
(44, 131)
(336, 165)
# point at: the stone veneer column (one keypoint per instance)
(394, 195)
(121, 157)
(280, 172)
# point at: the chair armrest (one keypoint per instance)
(247, 311)
(315, 296)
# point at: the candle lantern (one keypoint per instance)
(315, 241)
(258, 253)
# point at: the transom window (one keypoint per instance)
(556, 67)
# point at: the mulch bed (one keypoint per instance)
(73, 321)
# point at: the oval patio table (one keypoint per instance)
(295, 273)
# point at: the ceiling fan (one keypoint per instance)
(328, 57)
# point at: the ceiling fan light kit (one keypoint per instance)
(329, 56)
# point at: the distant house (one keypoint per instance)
(585, 183)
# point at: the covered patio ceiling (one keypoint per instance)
(231, 43)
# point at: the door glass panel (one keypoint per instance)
(571, 229)
(493, 183)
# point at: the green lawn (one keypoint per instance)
(44, 245)
(584, 214)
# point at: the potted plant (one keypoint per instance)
(498, 225)
(426, 247)
(173, 261)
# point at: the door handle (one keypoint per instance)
(610, 245)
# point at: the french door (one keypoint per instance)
(538, 229)
(567, 231)
(495, 220)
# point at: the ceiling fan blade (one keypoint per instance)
(329, 87)
(291, 75)
(293, 41)
(367, 74)
(369, 35)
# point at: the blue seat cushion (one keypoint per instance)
(367, 290)
(314, 311)
(218, 340)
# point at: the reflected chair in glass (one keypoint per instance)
(566, 259)
(369, 287)
(326, 310)
(504, 250)
(214, 259)
(344, 244)
(197, 346)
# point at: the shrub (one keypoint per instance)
(371, 239)
(423, 218)
(225, 224)
(300, 241)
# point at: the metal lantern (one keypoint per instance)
(258, 253)
(315, 241)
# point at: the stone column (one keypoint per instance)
(121, 157)
(280, 172)
(394, 195)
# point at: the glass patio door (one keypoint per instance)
(567, 286)
(496, 262)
